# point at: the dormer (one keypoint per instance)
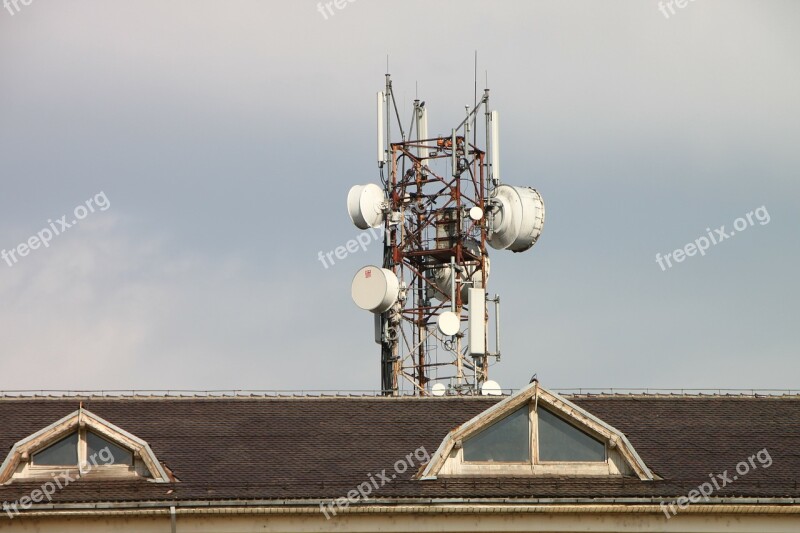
(81, 445)
(534, 433)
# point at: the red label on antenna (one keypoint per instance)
(368, 273)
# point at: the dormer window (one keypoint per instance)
(106, 451)
(62, 453)
(535, 432)
(552, 439)
(560, 441)
(82, 448)
(505, 441)
(86, 445)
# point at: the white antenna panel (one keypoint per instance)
(477, 322)
(495, 118)
(381, 153)
(423, 130)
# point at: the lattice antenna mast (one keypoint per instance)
(440, 203)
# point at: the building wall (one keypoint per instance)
(220, 521)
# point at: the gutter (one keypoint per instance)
(389, 510)
(417, 506)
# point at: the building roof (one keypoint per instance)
(320, 448)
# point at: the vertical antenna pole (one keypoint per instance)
(418, 123)
(453, 155)
(389, 345)
(389, 97)
(453, 283)
(488, 116)
(497, 323)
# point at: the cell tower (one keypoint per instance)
(440, 202)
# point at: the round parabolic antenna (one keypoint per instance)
(449, 323)
(476, 213)
(491, 388)
(518, 220)
(532, 222)
(364, 205)
(375, 289)
(438, 389)
(507, 217)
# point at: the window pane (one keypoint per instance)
(105, 452)
(62, 453)
(561, 441)
(505, 441)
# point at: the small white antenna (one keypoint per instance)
(381, 154)
(496, 146)
(477, 321)
(491, 388)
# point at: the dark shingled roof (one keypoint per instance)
(321, 448)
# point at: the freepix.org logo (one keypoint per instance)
(58, 481)
(362, 240)
(720, 234)
(376, 481)
(43, 237)
(716, 482)
(13, 6)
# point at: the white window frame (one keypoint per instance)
(83, 460)
(83, 450)
(533, 464)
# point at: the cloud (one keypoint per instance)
(105, 308)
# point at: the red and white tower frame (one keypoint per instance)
(441, 203)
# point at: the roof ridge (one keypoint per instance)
(573, 392)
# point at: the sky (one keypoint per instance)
(215, 143)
